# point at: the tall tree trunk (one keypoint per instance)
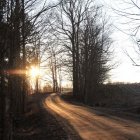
(24, 57)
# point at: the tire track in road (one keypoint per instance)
(91, 125)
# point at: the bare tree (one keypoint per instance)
(70, 16)
(94, 56)
(17, 28)
(72, 27)
(129, 12)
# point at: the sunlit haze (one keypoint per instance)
(34, 72)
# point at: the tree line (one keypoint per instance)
(20, 37)
(74, 34)
(85, 36)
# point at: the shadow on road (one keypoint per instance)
(38, 123)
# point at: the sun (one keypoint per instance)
(35, 76)
(34, 72)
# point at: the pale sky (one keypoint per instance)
(125, 72)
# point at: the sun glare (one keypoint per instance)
(34, 72)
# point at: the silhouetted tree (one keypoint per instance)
(86, 39)
(129, 12)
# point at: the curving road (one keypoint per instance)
(91, 124)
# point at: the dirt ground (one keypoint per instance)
(38, 123)
(96, 123)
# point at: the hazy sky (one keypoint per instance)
(125, 72)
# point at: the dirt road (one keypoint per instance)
(91, 124)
